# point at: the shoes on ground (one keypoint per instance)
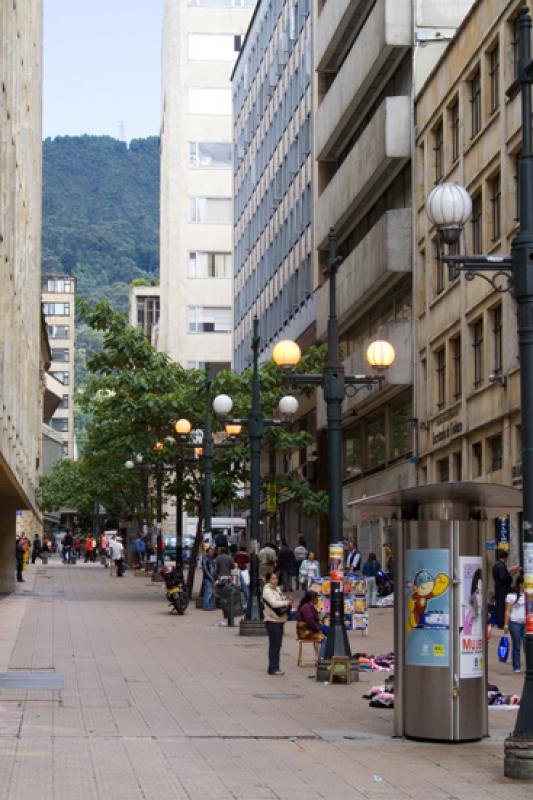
(277, 672)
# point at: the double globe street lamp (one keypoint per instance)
(336, 386)
(252, 623)
(448, 207)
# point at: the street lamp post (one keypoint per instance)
(335, 385)
(252, 623)
(448, 207)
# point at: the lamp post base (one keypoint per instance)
(518, 760)
(252, 627)
(322, 670)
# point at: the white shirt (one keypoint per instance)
(117, 550)
(353, 560)
(518, 610)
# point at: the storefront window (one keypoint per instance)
(375, 441)
(401, 415)
(353, 452)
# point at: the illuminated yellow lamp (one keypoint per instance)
(183, 427)
(286, 354)
(159, 446)
(232, 429)
(380, 354)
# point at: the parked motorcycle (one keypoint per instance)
(176, 591)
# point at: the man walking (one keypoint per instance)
(209, 571)
(36, 548)
(68, 542)
(286, 566)
(19, 555)
(117, 554)
(267, 560)
(502, 583)
(353, 559)
(140, 549)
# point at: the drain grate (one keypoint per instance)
(279, 696)
(31, 680)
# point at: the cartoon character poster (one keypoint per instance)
(472, 662)
(427, 603)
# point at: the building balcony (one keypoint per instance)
(381, 44)
(400, 374)
(379, 261)
(335, 28)
(379, 153)
(53, 394)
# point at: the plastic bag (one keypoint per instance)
(503, 649)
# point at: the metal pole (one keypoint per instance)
(252, 622)
(337, 640)
(144, 478)
(208, 455)
(519, 746)
(179, 517)
(159, 514)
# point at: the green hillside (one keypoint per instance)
(100, 222)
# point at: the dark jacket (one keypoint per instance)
(371, 568)
(223, 565)
(308, 614)
(209, 568)
(502, 578)
(286, 561)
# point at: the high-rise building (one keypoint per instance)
(22, 359)
(201, 41)
(58, 297)
(468, 380)
(272, 106)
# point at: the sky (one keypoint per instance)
(102, 67)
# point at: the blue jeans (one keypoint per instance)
(209, 595)
(275, 638)
(518, 632)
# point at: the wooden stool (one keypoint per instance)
(340, 668)
(302, 662)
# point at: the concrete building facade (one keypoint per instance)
(58, 298)
(21, 365)
(468, 380)
(272, 131)
(369, 55)
(201, 41)
(144, 310)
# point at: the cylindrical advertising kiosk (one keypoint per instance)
(440, 680)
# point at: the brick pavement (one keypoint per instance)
(154, 705)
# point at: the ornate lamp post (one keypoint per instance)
(448, 207)
(252, 623)
(336, 386)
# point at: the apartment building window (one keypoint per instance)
(477, 345)
(495, 201)
(209, 265)
(58, 331)
(56, 309)
(475, 102)
(214, 366)
(375, 441)
(457, 367)
(148, 309)
(61, 376)
(454, 129)
(57, 285)
(439, 269)
(515, 46)
(477, 459)
(60, 354)
(65, 401)
(204, 100)
(440, 365)
(210, 155)
(64, 449)
(443, 470)
(214, 210)
(494, 73)
(496, 453)
(205, 319)
(211, 47)
(457, 459)
(497, 339)
(438, 147)
(477, 224)
(353, 452)
(59, 424)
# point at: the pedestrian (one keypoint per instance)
(77, 548)
(19, 556)
(353, 558)
(224, 563)
(389, 560)
(68, 541)
(88, 549)
(300, 551)
(307, 620)
(242, 559)
(502, 583)
(309, 569)
(140, 549)
(267, 560)
(276, 609)
(209, 574)
(285, 566)
(117, 554)
(371, 567)
(515, 619)
(36, 548)
(221, 541)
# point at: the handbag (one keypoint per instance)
(279, 611)
(503, 649)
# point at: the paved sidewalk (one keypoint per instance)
(155, 706)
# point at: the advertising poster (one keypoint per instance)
(427, 603)
(472, 657)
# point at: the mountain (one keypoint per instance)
(101, 213)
